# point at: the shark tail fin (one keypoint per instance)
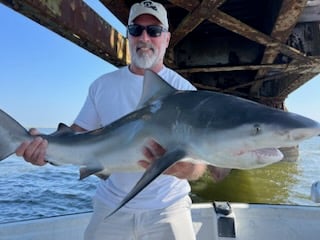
(156, 168)
(12, 134)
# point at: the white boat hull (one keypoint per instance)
(245, 222)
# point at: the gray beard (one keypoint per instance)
(144, 60)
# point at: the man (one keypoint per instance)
(162, 210)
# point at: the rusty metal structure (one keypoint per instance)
(257, 49)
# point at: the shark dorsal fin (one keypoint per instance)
(154, 87)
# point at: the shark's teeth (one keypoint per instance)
(267, 154)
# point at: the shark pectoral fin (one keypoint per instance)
(86, 172)
(154, 170)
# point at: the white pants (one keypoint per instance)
(172, 223)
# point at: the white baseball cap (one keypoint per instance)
(149, 7)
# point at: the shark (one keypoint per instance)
(208, 127)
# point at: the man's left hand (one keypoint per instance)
(184, 170)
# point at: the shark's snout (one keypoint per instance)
(298, 135)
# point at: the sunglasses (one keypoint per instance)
(152, 30)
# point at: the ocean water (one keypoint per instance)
(280, 183)
(30, 192)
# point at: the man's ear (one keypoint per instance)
(168, 37)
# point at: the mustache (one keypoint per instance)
(145, 45)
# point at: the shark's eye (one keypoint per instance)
(256, 129)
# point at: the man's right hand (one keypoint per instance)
(33, 151)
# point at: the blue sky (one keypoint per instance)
(45, 78)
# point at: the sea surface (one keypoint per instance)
(31, 192)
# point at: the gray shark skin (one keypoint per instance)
(195, 126)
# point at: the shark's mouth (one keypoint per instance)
(256, 158)
(266, 155)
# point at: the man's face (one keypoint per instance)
(147, 51)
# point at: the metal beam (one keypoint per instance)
(234, 25)
(203, 11)
(118, 8)
(288, 16)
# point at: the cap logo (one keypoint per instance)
(150, 4)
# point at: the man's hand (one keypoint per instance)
(184, 170)
(218, 174)
(33, 151)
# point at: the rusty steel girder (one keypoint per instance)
(254, 49)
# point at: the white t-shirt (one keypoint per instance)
(110, 97)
